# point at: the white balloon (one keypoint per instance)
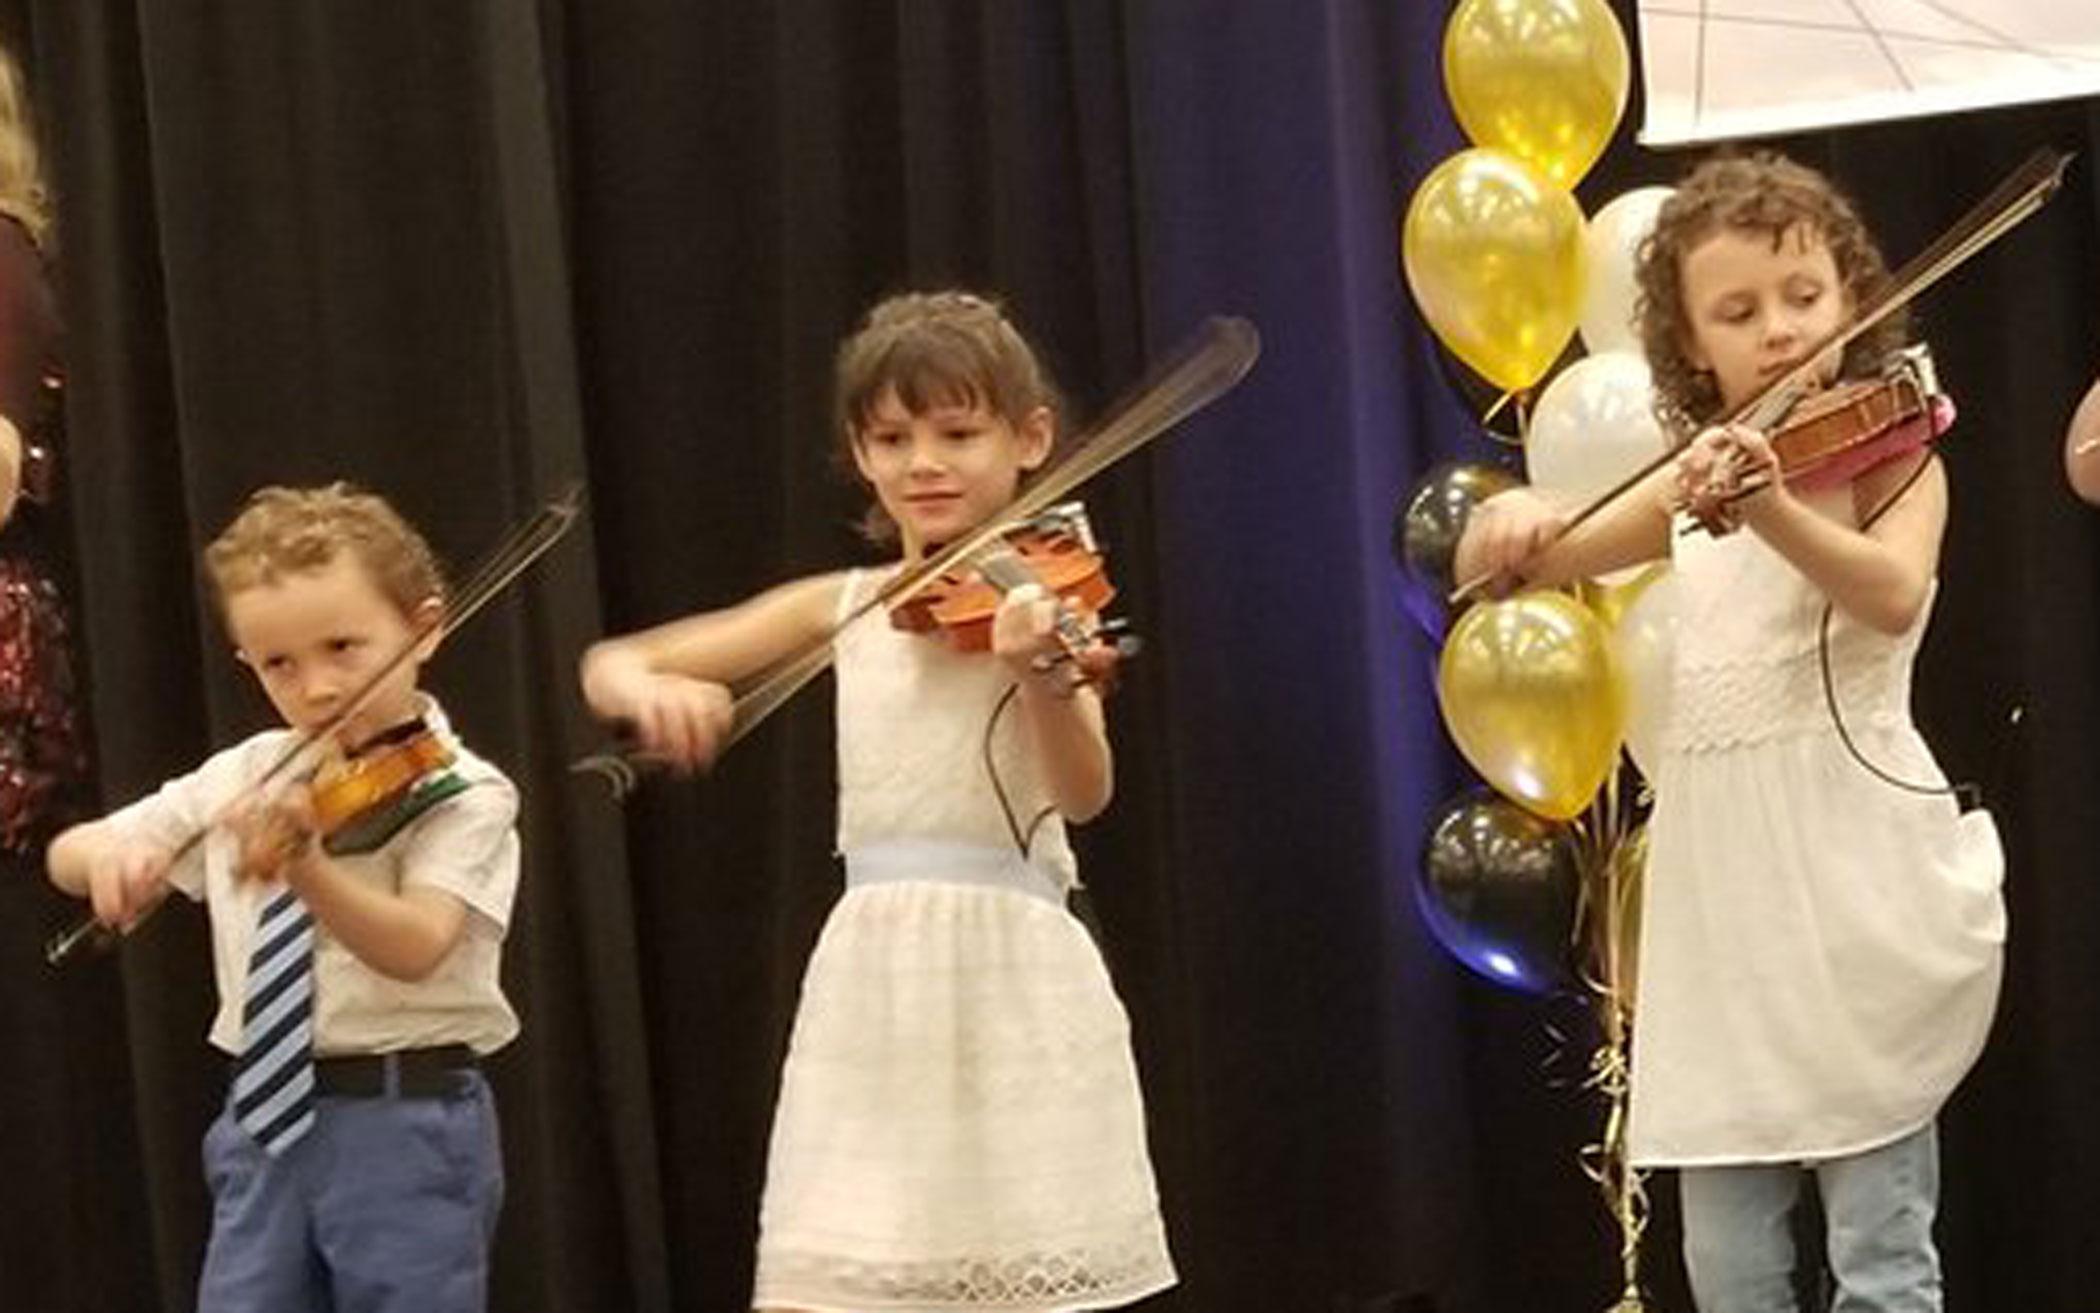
(1644, 647)
(1594, 425)
(1611, 246)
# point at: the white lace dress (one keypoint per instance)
(1820, 950)
(960, 1125)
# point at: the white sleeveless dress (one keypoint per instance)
(1820, 950)
(960, 1125)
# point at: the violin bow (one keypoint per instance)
(516, 551)
(2024, 190)
(1202, 369)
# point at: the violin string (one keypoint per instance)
(1215, 358)
(1871, 423)
(2023, 191)
(518, 549)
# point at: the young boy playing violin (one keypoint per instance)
(357, 914)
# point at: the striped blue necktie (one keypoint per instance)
(273, 1079)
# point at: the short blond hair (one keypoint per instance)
(283, 531)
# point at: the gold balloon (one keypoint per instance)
(1532, 700)
(1608, 599)
(1493, 254)
(1544, 80)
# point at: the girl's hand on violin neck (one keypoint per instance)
(1728, 477)
(1503, 537)
(1025, 637)
(125, 880)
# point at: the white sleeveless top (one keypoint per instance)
(912, 714)
(1820, 949)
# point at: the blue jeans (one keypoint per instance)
(1877, 1206)
(388, 1205)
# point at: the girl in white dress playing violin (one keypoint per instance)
(1823, 932)
(960, 1124)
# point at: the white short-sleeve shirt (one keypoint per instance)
(466, 845)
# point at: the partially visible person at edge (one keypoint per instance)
(2082, 447)
(56, 1031)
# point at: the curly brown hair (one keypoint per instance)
(1759, 192)
(934, 349)
(282, 531)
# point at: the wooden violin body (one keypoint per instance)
(349, 789)
(1055, 550)
(1834, 436)
(1829, 438)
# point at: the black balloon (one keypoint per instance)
(1499, 888)
(1426, 529)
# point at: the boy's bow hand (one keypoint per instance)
(125, 881)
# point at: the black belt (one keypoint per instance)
(407, 1073)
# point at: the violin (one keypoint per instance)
(356, 797)
(2023, 192)
(353, 788)
(349, 803)
(1206, 367)
(1830, 438)
(1055, 551)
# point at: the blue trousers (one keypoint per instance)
(388, 1205)
(1878, 1207)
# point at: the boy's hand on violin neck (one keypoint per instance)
(276, 835)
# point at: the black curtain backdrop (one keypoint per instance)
(468, 253)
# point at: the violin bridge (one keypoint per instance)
(1914, 364)
(1065, 520)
